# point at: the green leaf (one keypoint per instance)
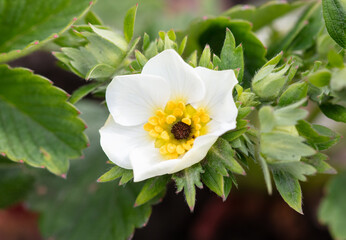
(142, 60)
(338, 83)
(116, 172)
(221, 157)
(129, 22)
(319, 137)
(27, 25)
(213, 180)
(152, 188)
(111, 36)
(233, 134)
(213, 32)
(334, 16)
(262, 15)
(267, 119)
(308, 35)
(289, 189)
(182, 46)
(266, 172)
(100, 72)
(332, 210)
(289, 115)
(14, 186)
(293, 94)
(285, 43)
(187, 179)
(232, 56)
(37, 125)
(334, 111)
(92, 18)
(82, 92)
(297, 170)
(79, 208)
(283, 147)
(318, 161)
(320, 78)
(205, 57)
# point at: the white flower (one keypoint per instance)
(166, 118)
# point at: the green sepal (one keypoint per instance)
(221, 157)
(187, 179)
(283, 147)
(116, 172)
(293, 93)
(320, 78)
(83, 91)
(318, 161)
(152, 188)
(289, 189)
(92, 18)
(182, 46)
(319, 137)
(142, 60)
(205, 57)
(232, 56)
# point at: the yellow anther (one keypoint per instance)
(164, 135)
(153, 133)
(181, 105)
(170, 105)
(190, 142)
(186, 121)
(187, 146)
(158, 129)
(197, 133)
(196, 119)
(153, 120)
(171, 147)
(178, 112)
(163, 149)
(159, 142)
(160, 113)
(170, 119)
(180, 149)
(198, 126)
(147, 127)
(205, 118)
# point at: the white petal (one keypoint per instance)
(218, 99)
(147, 162)
(118, 141)
(132, 99)
(199, 150)
(183, 80)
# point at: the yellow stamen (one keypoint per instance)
(153, 120)
(163, 149)
(178, 112)
(160, 127)
(205, 118)
(153, 133)
(171, 147)
(164, 135)
(186, 121)
(170, 119)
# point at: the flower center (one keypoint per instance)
(181, 130)
(176, 127)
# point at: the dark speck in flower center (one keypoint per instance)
(181, 130)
